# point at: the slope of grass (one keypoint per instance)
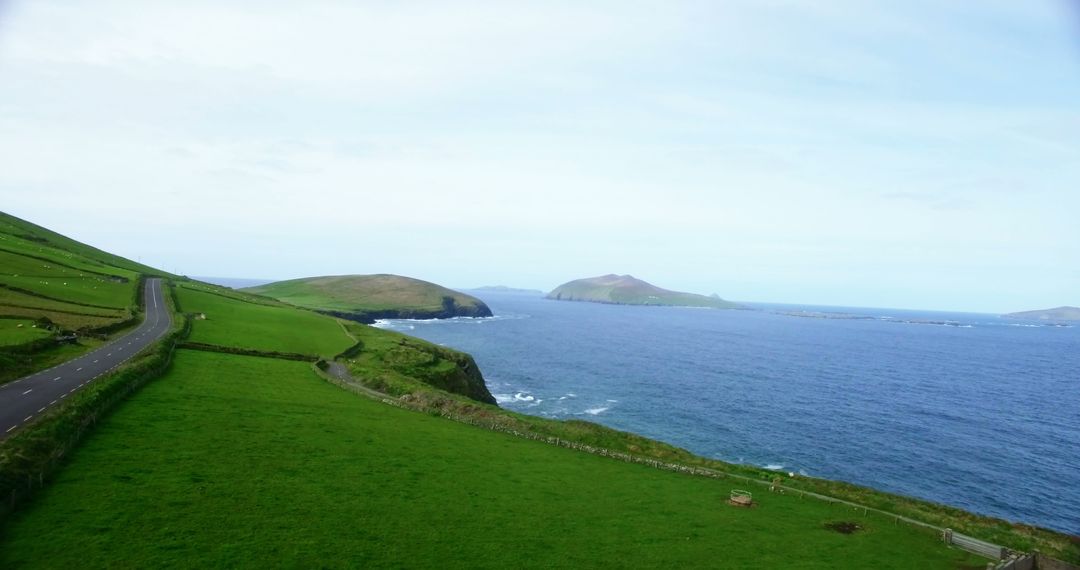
(19, 331)
(16, 233)
(232, 322)
(372, 293)
(13, 298)
(232, 461)
(394, 364)
(398, 364)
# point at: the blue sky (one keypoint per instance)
(898, 154)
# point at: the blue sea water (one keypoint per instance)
(969, 410)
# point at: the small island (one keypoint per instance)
(628, 290)
(506, 289)
(367, 298)
(1057, 314)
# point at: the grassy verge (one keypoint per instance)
(232, 461)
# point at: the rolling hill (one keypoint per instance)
(365, 298)
(627, 290)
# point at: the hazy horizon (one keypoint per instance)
(905, 155)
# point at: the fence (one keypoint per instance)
(971, 544)
(1025, 562)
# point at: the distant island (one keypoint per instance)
(366, 298)
(1058, 314)
(505, 289)
(627, 290)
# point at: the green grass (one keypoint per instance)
(351, 293)
(19, 331)
(235, 323)
(25, 237)
(9, 297)
(232, 461)
(397, 364)
(403, 366)
(64, 283)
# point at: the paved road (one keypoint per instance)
(24, 399)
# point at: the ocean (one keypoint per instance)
(970, 410)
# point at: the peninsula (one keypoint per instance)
(1058, 314)
(628, 290)
(365, 298)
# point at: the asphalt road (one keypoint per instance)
(26, 398)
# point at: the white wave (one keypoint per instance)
(613, 401)
(503, 398)
(383, 324)
(774, 466)
(596, 411)
(571, 395)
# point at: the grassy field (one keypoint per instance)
(19, 331)
(351, 293)
(233, 322)
(44, 275)
(24, 237)
(232, 461)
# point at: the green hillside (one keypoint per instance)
(365, 298)
(626, 290)
(259, 460)
(53, 287)
(233, 461)
(225, 319)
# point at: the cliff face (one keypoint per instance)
(386, 359)
(627, 290)
(449, 310)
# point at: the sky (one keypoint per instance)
(909, 154)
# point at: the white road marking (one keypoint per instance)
(11, 428)
(110, 354)
(95, 362)
(52, 402)
(28, 391)
(55, 379)
(62, 396)
(78, 369)
(42, 409)
(27, 418)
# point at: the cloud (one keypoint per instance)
(770, 135)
